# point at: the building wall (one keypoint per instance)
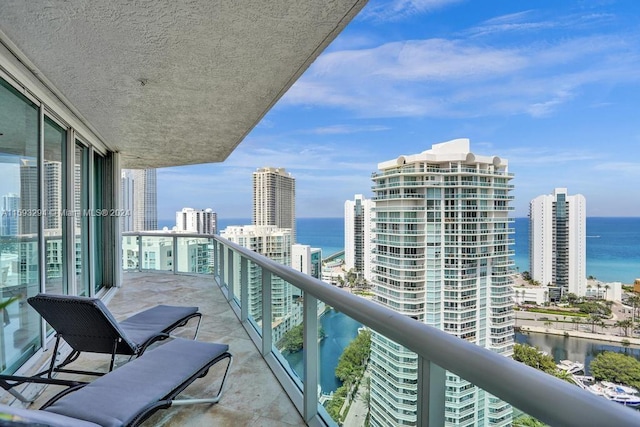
(357, 235)
(200, 221)
(274, 243)
(140, 199)
(274, 199)
(557, 253)
(442, 256)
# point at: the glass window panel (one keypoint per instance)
(54, 140)
(82, 215)
(98, 221)
(19, 217)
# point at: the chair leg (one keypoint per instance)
(210, 400)
(53, 357)
(113, 355)
(195, 337)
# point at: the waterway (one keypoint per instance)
(571, 348)
(339, 331)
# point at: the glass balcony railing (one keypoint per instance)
(400, 371)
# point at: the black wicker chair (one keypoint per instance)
(88, 326)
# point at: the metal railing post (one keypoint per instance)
(266, 312)
(431, 393)
(174, 243)
(310, 356)
(221, 264)
(244, 289)
(230, 274)
(139, 252)
(215, 258)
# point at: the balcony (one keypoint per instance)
(242, 403)
(250, 381)
(263, 387)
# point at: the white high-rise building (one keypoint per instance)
(200, 221)
(307, 260)
(274, 199)
(140, 199)
(274, 243)
(557, 242)
(442, 256)
(357, 235)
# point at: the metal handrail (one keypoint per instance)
(549, 399)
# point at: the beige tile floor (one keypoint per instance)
(252, 394)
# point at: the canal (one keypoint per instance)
(574, 349)
(340, 330)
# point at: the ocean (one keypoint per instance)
(613, 244)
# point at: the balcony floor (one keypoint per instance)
(252, 394)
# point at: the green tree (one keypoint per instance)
(572, 298)
(563, 375)
(527, 421)
(353, 360)
(292, 340)
(624, 326)
(335, 404)
(532, 356)
(594, 319)
(634, 300)
(617, 368)
(576, 322)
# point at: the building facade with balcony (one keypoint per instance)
(558, 243)
(198, 221)
(274, 199)
(357, 235)
(442, 256)
(274, 243)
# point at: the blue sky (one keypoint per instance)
(553, 87)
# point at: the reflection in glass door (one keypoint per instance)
(19, 224)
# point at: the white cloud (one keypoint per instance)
(460, 78)
(628, 168)
(347, 129)
(396, 10)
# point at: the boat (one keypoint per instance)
(618, 393)
(571, 366)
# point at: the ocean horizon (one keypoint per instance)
(613, 243)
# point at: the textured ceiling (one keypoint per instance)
(171, 83)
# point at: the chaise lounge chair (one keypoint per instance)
(132, 393)
(88, 326)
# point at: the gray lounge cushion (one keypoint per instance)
(117, 398)
(141, 327)
(42, 418)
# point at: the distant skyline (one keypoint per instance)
(550, 86)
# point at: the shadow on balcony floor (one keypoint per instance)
(252, 394)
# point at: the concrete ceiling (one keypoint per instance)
(168, 82)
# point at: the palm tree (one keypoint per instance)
(598, 285)
(563, 375)
(548, 323)
(589, 288)
(594, 319)
(602, 325)
(576, 321)
(635, 302)
(624, 326)
(606, 288)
